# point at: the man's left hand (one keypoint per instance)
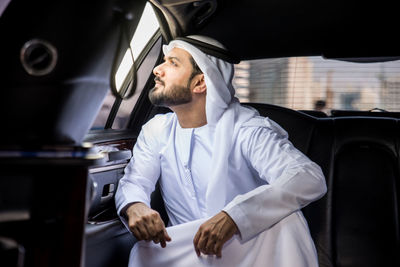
(213, 234)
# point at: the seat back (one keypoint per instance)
(357, 222)
(364, 204)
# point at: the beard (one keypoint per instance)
(173, 96)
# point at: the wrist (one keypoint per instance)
(231, 221)
(129, 208)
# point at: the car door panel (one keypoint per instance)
(108, 242)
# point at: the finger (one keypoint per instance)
(161, 233)
(203, 242)
(166, 235)
(136, 233)
(134, 230)
(209, 246)
(163, 244)
(143, 232)
(196, 241)
(196, 238)
(151, 229)
(218, 249)
(159, 236)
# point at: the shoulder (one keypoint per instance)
(261, 136)
(259, 133)
(259, 125)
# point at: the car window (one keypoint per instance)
(147, 27)
(143, 75)
(315, 83)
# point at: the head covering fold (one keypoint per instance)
(223, 112)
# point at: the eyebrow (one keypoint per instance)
(169, 58)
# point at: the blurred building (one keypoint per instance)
(285, 82)
(390, 90)
(304, 83)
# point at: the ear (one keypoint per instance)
(199, 84)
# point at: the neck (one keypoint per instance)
(191, 115)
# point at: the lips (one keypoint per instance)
(158, 81)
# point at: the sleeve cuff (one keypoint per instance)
(129, 195)
(240, 219)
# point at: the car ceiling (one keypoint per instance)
(251, 29)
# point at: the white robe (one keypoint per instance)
(286, 244)
(269, 181)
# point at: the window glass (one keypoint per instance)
(314, 83)
(147, 27)
(143, 74)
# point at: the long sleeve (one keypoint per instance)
(141, 173)
(292, 182)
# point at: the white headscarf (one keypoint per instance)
(223, 112)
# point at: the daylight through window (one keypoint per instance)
(147, 27)
(314, 83)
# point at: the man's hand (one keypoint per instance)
(213, 234)
(146, 224)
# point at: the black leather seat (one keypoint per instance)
(11, 253)
(363, 203)
(357, 222)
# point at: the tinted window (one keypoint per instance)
(314, 83)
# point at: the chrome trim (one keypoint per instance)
(107, 168)
(46, 49)
(14, 215)
(104, 223)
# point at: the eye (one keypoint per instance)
(173, 63)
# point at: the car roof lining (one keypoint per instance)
(346, 30)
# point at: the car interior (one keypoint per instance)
(72, 113)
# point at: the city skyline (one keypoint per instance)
(298, 82)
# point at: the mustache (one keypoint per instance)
(158, 79)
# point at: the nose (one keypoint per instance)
(158, 71)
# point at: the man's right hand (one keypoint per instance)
(146, 224)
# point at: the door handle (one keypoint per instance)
(119, 155)
(108, 193)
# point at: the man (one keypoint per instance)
(231, 181)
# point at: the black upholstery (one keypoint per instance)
(157, 203)
(347, 113)
(357, 222)
(315, 113)
(364, 204)
(11, 253)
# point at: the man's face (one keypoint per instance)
(173, 80)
